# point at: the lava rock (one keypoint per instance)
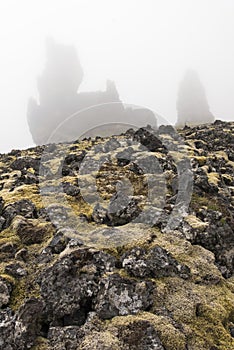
(70, 189)
(19, 331)
(140, 335)
(31, 231)
(16, 270)
(69, 286)
(24, 163)
(72, 163)
(27, 323)
(1, 204)
(99, 214)
(64, 237)
(156, 263)
(111, 145)
(122, 209)
(124, 157)
(149, 139)
(7, 325)
(231, 328)
(5, 292)
(65, 337)
(148, 164)
(23, 207)
(27, 179)
(122, 296)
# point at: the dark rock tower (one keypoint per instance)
(192, 105)
(58, 97)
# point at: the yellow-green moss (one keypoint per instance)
(204, 335)
(10, 239)
(197, 202)
(201, 160)
(201, 308)
(40, 344)
(213, 178)
(8, 278)
(23, 192)
(105, 339)
(24, 288)
(196, 223)
(171, 338)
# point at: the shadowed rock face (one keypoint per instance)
(59, 100)
(192, 105)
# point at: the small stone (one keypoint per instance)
(1, 204)
(2, 222)
(5, 292)
(16, 270)
(70, 189)
(231, 328)
(58, 243)
(149, 139)
(99, 214)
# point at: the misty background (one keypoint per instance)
(145, 46)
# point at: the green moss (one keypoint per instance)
(201, 160)
(209, 202)
(41, 344)
(10, 239)
(204, 311)
(196, 223)
(9, 235)
(223, 221)
(207, 335)
(19, 294)
(8, 278)
(23, 192)
(24, 288)
(213, 178)
(171, 337)
(98, 340)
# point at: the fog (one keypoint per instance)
(144, 46)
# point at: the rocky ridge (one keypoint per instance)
(119, 243)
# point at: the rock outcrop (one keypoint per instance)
(156, 275)
(192, 105)
(65, 115)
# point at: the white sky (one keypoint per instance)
(143, 45)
